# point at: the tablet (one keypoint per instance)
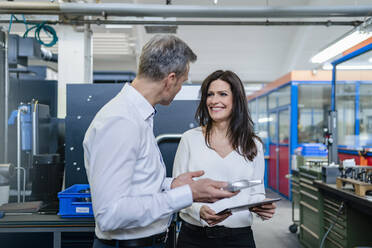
(248, 206)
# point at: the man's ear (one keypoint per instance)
(170, 80)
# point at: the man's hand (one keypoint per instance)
(265, 211)
(207, 214)
(186, 178)
(203, 190)
(207, 190)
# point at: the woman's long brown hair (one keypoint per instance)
(240, 131)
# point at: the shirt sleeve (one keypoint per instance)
(181, 165)
(113, 149)
(167, 183)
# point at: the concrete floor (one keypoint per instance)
(275, 232)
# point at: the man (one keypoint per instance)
(132, 199)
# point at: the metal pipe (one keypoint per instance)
(112, 9)
(4, 50)
(21, 109)
(24, 184)
(197, 23)
(29, 7)
(187, 11)
(6, 100)
(169, 136)
(35, 141)
(19, 155)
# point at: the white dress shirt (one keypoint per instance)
(131, 195)
(193, 155)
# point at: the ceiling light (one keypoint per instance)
(254, 87)
(116, 26)
(265, 119)
(348, 67)
(347, 41)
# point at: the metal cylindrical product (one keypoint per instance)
(6, 171)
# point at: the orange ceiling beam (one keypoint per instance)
(358, 46)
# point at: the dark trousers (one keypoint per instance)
(99, 244)
(192, 237)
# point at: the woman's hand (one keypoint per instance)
(207, 214)
(265, 211)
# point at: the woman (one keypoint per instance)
(227, 149)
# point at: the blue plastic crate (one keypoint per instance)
(72, 204)
(314, 149)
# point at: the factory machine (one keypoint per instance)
(29, 130)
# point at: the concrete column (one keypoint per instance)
(75, 60)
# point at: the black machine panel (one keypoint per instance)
(24, 91)
(85, 100)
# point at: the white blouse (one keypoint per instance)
(193, 155)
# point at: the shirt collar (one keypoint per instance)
(145, 109)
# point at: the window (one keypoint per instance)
(345, 106)
(262, 122)
(280, 97)
(284, 95)
(314, 102)
(272, 100)
(365, 114)
(253, 110)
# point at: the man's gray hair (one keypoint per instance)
(164, 54)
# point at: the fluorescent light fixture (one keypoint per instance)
(348, 67)
(327, 66)
(253, 87)
(189, 92)
(351, 39)
(158, 18)
(116, 26)
(265, 119)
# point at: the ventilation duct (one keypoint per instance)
(154, 29)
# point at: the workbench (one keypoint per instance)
(354, 221)
(309, 206)
(43, 223)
